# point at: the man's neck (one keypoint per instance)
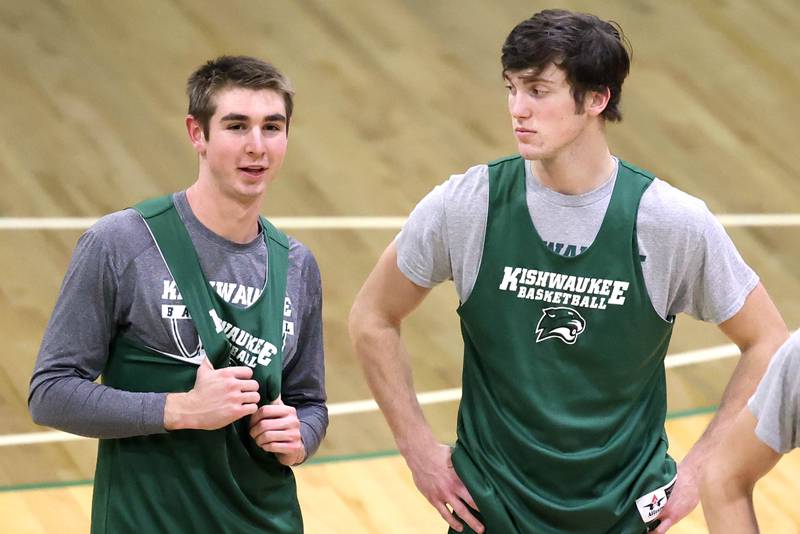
(227, 217)
(581, 168)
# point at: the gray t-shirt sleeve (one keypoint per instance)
(422, 251)
(304, 372)
(74, 352)
(443, 237)
(776, 402)
(690, 263)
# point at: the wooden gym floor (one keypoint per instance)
(392, 97)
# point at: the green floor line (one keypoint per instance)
(694, 411)
(45, 485)
(334, 458)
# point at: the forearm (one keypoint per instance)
(82, 407)
(748, 372)
(386, 364)
(728, 506)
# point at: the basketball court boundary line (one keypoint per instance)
(363, 223)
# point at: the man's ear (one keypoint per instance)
(196, 134)
(596, 101)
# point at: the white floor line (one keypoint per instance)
(32, 438)
(360, 223)
(294, 223)
(702, 355)
(369, 405)
(760, 219)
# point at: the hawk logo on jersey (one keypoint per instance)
(561, 323)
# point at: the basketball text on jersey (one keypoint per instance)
(564, 249)
(246, 348)
(556, 288)
(234, 294)
(570, 251)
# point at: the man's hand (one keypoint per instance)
(436, 479)
(683, 499)
(218, 398)
(276, 428)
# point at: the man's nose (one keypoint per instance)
(255, 142)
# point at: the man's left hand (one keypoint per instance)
(683, 499)
(276, 428)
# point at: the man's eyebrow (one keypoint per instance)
(275, 117)
(530, 77)
(534, 78)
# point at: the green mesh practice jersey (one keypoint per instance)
(561, 423)
(195, 480)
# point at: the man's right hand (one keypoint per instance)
(218, 398)
(432, 469)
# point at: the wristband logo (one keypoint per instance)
(562, 323)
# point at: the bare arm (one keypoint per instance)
(758, 330)
(731, 473)
(386, 298)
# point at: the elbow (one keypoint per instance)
(36, 409)
(720, 483)
(708, 483)
(354, 320)
(358, 326)
(46, 409)
(365, 334)
(773, 338)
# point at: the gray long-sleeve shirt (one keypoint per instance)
(117, 284)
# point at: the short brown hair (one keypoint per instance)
(233, 71)
(592, 52)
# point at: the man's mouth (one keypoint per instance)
(253, 170)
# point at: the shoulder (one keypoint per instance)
(122, 235)
(463, 193)
(664, 208)
(470, 181)
(127, 221)
(452, 201)
(302, 259)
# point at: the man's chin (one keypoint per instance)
(250, 192)
(531, 154)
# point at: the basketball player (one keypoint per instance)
(570, 265)
(760, 434)
(204, 322)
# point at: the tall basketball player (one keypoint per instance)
(570, 265)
